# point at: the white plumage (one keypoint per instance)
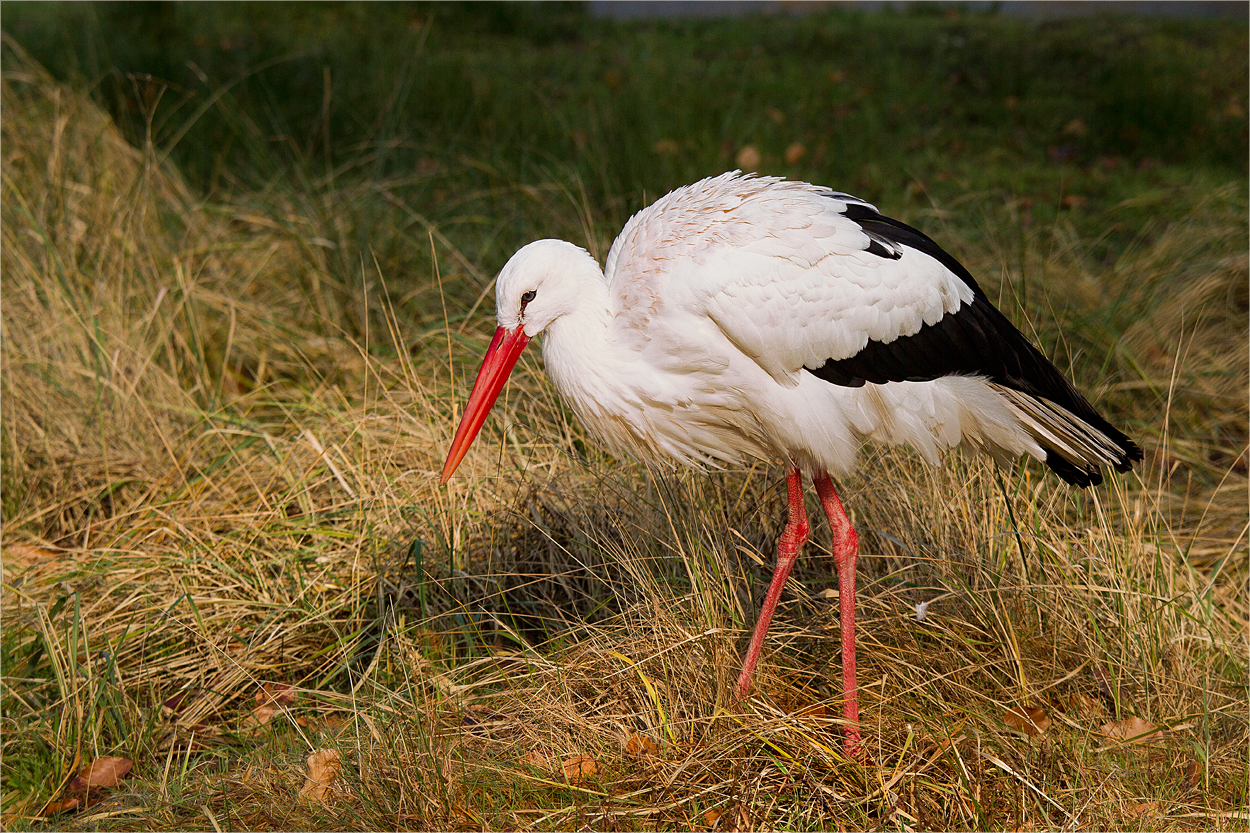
(752, 317)
(692, 346)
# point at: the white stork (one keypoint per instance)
(747, 317)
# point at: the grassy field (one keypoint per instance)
(248, 254)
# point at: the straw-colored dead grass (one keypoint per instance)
(210, 484)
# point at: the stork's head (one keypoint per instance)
(540, 283)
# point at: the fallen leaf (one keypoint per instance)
(1104, 681)
(103, 772)
(733, 818)
(639, 745)
(795, 152)
(100, 774)
(60, 805)
(282, 694)
(1143, 808)
(477, 714)
(1028, 719)
(1131, 730)
(579, 768)
(237, 640)
(269, 701)
(323, 767)
(27, 555)
(177, 702)
(258, 717)
(1192, 769)
(1084, 706)
(538, 759)
(749, 158)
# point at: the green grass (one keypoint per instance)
(972, 111)
(248, 252)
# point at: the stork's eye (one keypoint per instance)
(526, 297)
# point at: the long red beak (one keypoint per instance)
(505, 348)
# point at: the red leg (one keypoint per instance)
(845, 554)
(792, 540)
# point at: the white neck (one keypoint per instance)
(577, 348)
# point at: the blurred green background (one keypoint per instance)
(471, 94)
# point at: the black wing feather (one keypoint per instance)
(975, 340)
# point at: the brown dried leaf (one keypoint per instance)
(279, 694)
(476, 714)
(1143, 808)
(323, 767)
(179, 701)
(27, 555)
(60, 805)
(1086, 707)
(1132, 730)
(1104, 681)
(103, 772)
(538, 759)
(1028, 719)
(259, 716)
(579, 768)
(733, 818)
(100, 774)
(639, 746)
(269, 701)
(1191, 770)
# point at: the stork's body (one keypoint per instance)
(756, 318)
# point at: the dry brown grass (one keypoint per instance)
(210, 484)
